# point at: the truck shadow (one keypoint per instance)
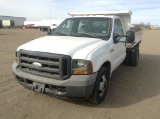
(130, 85)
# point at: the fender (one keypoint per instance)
(99, 56)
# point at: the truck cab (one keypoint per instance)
(78, 58)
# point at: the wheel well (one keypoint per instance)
(108, 66)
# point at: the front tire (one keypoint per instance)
(101, 86)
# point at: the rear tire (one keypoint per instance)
(127, 58)
(101, 86)
(134, 57)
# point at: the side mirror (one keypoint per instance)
(50, 31)
(130, 36)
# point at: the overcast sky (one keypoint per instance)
(147, 11)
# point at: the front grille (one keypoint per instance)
(51, 65)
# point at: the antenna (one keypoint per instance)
(50, 10)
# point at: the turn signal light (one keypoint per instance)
(80, 71)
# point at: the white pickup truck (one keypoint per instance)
(77, 60)
(46, 28)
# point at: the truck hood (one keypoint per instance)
(76, 47)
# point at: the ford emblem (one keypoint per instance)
(36, 64)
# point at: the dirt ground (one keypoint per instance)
(134, 92)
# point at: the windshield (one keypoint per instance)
(85, 27)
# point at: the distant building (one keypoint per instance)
(138, 25)
(142, 26)
(18, 21)
(154, 27)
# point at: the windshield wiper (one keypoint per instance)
(83, 35)
(59, 33)
(87, 35)
(105, 37)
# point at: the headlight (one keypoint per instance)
(17, 58)
(82, 67)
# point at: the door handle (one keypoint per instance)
(111, 50)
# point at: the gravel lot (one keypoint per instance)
(134, 92)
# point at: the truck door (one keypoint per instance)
(117, 49)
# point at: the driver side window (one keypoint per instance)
(118, 29)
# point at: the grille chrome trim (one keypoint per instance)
(54, 66)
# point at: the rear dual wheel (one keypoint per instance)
(134, 57)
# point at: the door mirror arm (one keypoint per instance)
(130, 37)
(117, 38)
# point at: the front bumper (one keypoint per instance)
(77, 86)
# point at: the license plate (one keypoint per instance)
(38, 87)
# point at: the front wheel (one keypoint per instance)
(101, 86)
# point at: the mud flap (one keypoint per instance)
(38, 87)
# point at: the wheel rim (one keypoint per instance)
(103, 85)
